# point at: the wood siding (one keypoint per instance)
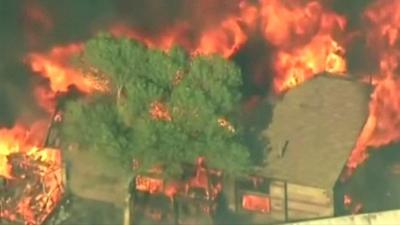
(308, 202)
(277, 193)
(302, 202)
(291, 202)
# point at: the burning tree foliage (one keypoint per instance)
(163, 107)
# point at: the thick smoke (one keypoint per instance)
(156, 16)
(15, 90)
(31, 25)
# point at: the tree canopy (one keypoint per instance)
(162, 108)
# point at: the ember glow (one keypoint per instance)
(34, 175)
(159, 111)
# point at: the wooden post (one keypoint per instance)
(53, 116)
(129, 203)
(286, 209)
(127, 210)
(236, 195)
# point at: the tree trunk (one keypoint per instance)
(119, 94)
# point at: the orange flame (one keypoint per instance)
(54, 67)
(224, 38)
(165, 41)
(303, 35)
(46, 98)
(230, 35)
(305, 39)
(322, 54)
(24, 142)
(383, 124)
(19, 139)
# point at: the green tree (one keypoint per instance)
(192, 95)
(96, 126)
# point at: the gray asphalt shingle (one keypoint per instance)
(320, 121)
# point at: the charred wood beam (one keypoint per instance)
(53, 119)
(29, 188)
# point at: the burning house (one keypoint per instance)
(314, 128)
(313, 131)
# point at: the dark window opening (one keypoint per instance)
(256, 184)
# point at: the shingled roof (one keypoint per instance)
(317, 125)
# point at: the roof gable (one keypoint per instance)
(316, 126)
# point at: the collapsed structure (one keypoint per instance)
(36, 181)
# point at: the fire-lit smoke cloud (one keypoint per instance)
(37, 22)
(303, 38)
(155, 16)
(55, 66)
(221, 32)
(383, 125)
(52, 66)
(304, 34)
(294, 40)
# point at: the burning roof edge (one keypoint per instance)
(314, 128)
